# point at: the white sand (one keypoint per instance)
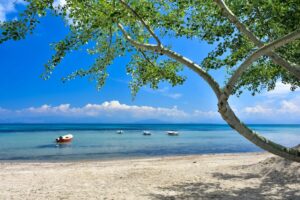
(222, 176)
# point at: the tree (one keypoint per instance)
(257, 42)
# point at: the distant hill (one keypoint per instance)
(151, 121)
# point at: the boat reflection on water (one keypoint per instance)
(63, 145)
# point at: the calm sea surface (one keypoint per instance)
(100, 141)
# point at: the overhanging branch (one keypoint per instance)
(291, 67)
(142, 21)
(176, 56)
(151, 47)
(263, 50)
(195, 67)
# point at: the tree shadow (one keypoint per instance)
(272, 184)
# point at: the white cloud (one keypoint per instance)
(280, 105)
(257, 109)
(281, 101)
(291, 106)
(8, 6)
(108, 108)
(277, 110)
(112, 111)
(280, 90)
(281, 111)
(58, 3)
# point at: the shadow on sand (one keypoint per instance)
(274, 184)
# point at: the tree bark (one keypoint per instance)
(233, 121)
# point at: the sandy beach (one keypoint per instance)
(219, 176)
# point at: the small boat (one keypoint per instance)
(120, 132)
(146, 133)
(64, 138)
(172, 133)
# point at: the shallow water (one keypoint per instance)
(100, 141)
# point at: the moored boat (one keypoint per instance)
(146, 133)
(172, 133)
(64, 138)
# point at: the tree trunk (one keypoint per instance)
(233, 121)
(224, 108)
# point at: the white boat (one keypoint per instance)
(64, 138)
(120, 132)
(172, 133)
(146, 133)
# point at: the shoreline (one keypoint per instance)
(133, 158)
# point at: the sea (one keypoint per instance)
(36, 142)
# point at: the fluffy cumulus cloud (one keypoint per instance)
(281, 90)
(278, 106)
(109, 111)
(287, 112)
(281, 106)
(106, 109)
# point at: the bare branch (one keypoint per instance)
(142, 21)
(179, 58)
(263, 50)
(291, 67)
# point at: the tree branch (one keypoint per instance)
(195, 67)
(151, 47)
(291, 67)
(233, 121)
(142, 21)
(179, 58)
(263, 50)
(146, 58)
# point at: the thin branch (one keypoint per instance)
(261, 51)
(291, 67)
(151, 47)
(179, 58)
(142, 21)
(110, 41)
(146, 58)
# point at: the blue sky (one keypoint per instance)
(25, 97)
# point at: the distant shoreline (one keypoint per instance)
(133, 123)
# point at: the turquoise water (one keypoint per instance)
(100, 141)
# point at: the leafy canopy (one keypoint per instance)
(96, 22)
